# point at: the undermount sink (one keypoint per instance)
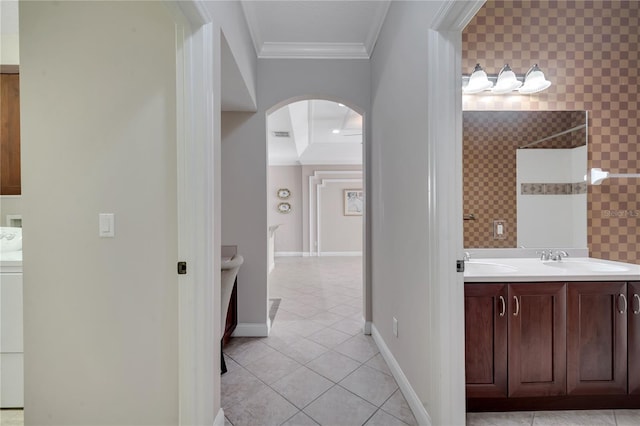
(585, 265)
(487, 268)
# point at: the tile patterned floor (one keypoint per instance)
(316, 367)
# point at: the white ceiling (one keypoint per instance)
(312, 127)
(315, 28)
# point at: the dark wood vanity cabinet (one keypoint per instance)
(597, 338)
(486, 340)
(529, 343)
(515, 340)
(537, 338)
(633, 337)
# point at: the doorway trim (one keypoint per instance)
(198, 214)
(366, 187)
(446, 301)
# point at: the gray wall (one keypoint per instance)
(244, 159)
(399, 167)
(338, 233)
(98, 136)
(289, 234)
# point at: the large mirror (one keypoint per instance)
(524, 179)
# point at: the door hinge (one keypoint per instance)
(460, 265)
(182, 268)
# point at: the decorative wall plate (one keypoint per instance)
(284, 207)
(284, 193)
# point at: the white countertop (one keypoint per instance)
(535, 270)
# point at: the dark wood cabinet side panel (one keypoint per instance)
(596, 339)
(486, 340)
(10, 134)
(633, 337)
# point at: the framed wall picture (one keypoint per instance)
(353, 202)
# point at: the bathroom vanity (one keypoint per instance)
(561, 334)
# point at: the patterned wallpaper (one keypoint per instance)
(490, 140)
(590, 51)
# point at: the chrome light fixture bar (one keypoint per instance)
(505, 82)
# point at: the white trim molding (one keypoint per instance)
(445, 333)
(340, 253)
(248, 329)
(198, 238)
(417, 408)
(219, 420)
(313, 247)
(289, 254)
(273, 50)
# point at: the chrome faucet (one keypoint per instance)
(558, 254)
(467, 256)
(544, 254)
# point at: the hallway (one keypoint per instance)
(316, 367)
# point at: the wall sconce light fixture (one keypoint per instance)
(506, 81)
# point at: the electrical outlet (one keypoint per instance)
(395, 327)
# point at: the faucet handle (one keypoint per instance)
(559, 254)
(467, 256)
(544, 254)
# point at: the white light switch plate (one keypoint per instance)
(106, 225)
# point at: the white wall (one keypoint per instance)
(230, 17)
(288, 237)
(98, 135)
(244, 162)
(546, 221)
(9, 33)
(400, 191)
(338, 233)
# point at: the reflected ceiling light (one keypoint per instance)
(507, 81)
(478, 82)
(335, 131)
(534, 81)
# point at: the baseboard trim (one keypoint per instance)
(219, 420)
(340, 253)
(249, 329)
(418, 409)
(367, 328)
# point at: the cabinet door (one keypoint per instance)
(485, 340)
(597, 338)
(537, 339)
(633, 340)
(10, 134)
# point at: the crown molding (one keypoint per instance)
(376, 27)
(271, 50)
